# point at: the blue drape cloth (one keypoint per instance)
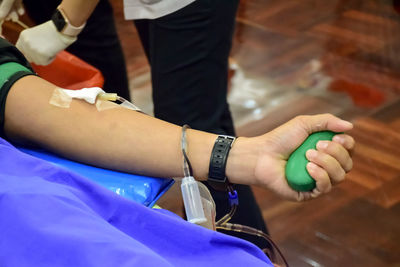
(52, 217)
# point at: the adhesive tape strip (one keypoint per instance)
(60, 99)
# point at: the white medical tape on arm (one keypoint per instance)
(63, 98)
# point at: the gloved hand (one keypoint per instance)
(41, 44)
(11, 8)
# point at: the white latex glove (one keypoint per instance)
(11, 7)
(41, 44)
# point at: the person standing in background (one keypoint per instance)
(98, 42)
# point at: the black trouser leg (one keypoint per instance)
(188, 52)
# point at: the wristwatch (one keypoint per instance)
(63, 25)
(219, 157)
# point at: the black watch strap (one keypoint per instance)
(219, 157)
(63, 25)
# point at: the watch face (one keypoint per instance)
(58, 20)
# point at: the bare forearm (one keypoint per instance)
(78, 11)
(117, 138)
(130, 141)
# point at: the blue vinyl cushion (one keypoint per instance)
(142, 189)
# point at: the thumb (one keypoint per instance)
(324, 122)
(5, 8)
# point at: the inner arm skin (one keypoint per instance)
(118, 139)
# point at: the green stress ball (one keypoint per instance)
(296, 172)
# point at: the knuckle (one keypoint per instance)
(351, 142)
(324, 184)
(349, 165)
(341, 175)
(333, 148)
(325, 159)
(328, 116)
(300, 118)
(328, 188)
(302, 121)
(348, 142)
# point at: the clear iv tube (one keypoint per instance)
(190, 189)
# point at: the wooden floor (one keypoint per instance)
(311, 56)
